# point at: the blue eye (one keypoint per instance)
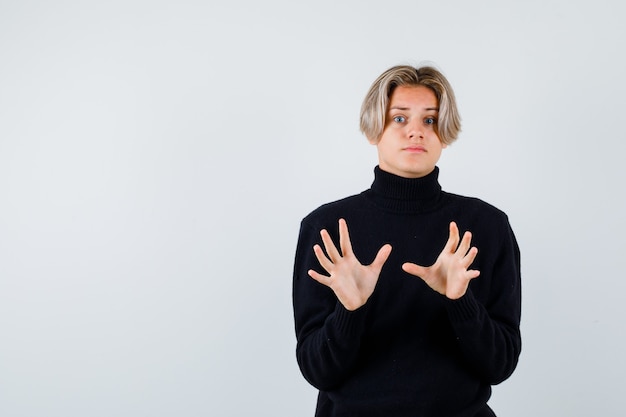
(399, 119)
(430, 121)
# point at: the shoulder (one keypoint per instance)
(476, 210)
(333, 210)
(474, 204)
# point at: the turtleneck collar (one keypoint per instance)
(407, 195)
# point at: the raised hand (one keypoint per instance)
(352, 282)
(449, 274)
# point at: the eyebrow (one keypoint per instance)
(407, 108)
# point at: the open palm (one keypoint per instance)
(352, 282)
(449, 275)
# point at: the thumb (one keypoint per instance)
(381, 257)
(414, 269)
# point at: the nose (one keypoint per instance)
(415, 130)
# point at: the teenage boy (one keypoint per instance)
(396, 313)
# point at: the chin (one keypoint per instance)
(418, 172)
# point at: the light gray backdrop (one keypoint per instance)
(156, 158)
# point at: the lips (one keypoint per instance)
(415, 149)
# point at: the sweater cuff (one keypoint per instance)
(464, 308)
(349, 323)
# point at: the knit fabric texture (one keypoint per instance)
(409, 351)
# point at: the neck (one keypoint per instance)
(396, 193)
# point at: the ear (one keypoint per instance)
(373, 141)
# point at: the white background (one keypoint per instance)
(156, 159)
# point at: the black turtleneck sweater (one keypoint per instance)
(409, 351)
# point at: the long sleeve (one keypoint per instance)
(328, 335)
(488, 330)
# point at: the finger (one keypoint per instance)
(472, 273)
(344, 238)
(469, 258)
(453, 239)
(414, 269)
(323, 260)
(381, 257)
(330, 247)
(465, 244)
(322, 279)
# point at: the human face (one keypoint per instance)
(409, 146)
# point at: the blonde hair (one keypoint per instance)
(374, 108)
